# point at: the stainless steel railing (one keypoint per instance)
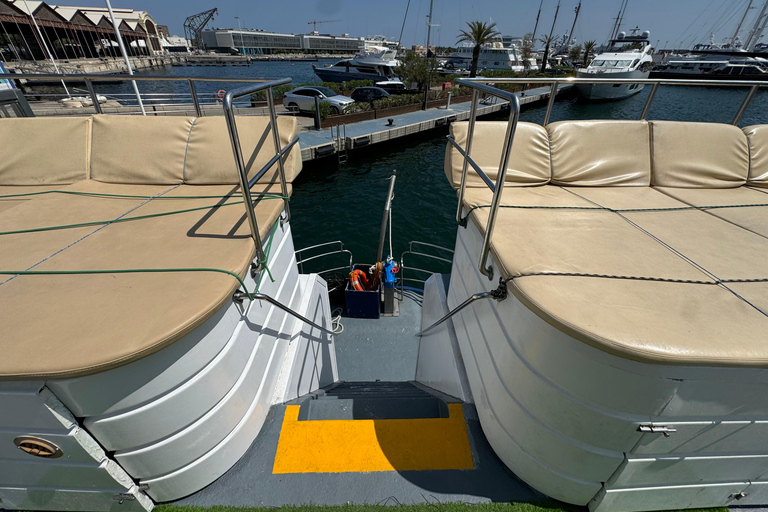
(301, 259)
(245, 184)
(419, 251)
(753, 86)
(498, 187)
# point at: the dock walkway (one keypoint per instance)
(318, 144)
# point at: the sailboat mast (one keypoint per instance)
(738, 28)
(552, 30)
(570, 36)
(536, 26)
(619, 19)
(757, 29)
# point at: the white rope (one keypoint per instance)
(336, 326)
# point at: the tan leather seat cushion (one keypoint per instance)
(757, 138)
(528, 162)
(698, 155)
(101, 321)
(648, 321)
(752, 218)
(600, 153)
(210, 159)
(44, 150)
(138, 149)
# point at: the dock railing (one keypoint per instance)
(484, 86)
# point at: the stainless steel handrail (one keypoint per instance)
(655, 82)
(341, 250)
(422, 254)
(234, 138)
(514, 107)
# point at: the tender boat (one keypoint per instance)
(602, 327)
(630, 63)
(377, 63)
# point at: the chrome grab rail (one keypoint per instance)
(229, 113)
(415, 269)
(655, 82)
(341, 250)
(514, 107)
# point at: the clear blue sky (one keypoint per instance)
(691, 21)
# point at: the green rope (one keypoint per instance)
(124, 196)
(125, 271)
(267, 250)
(122, 219)
(618, 210)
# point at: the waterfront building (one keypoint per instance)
(255, 41)
(72, 32)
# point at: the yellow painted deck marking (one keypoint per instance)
(337, 446)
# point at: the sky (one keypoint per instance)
(672, 23)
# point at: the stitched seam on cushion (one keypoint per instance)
(93, 232)
(186, 150)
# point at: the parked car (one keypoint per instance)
(303, 99)
(395, 87)
(369, 94)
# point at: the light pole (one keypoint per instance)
(240, 31)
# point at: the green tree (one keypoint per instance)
(414, 68)
(526, 52)
(574, 54)
(589, 47)
(479, 33)
(547, 42)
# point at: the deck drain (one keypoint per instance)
(38, 447)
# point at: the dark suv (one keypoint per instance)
(369, 94)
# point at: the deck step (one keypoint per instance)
(372, 401)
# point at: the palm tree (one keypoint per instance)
(589, 47)
(574, 54)
(547, 42)
(479, 33)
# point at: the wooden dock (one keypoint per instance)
(319, 144)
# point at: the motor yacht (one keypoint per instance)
(492, 56)
(376, 63)
(623, 59)
(599, 337)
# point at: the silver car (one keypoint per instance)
(303, 99)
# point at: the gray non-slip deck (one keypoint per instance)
(315, 144)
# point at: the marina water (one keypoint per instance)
(345, 203)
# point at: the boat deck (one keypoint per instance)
(336, 457)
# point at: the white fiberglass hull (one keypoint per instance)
(167, 425)
(602, 92)
(567, 418)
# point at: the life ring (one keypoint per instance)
(355, 277)
(220, 94)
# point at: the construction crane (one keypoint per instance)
(315, 22)
(193, 26)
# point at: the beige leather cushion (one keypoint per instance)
(44, 150)
(137, 149)
(757, 137)
(101, 321)
(528, 162)
(698, 155)
(600, 153)
(647, 321)
(752, 218)
(210, 159)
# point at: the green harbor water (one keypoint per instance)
(332, 202)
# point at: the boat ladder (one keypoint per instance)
(340, 143)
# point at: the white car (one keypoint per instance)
(303, 99)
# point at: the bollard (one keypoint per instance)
(448, 105)
(317, 113)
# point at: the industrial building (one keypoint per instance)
(253, 41)
(31, 30)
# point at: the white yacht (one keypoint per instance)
(492, 56)
(713, 66)
(376, 63)
(618, 63)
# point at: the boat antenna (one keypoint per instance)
(125, 56)
(536, 26)
(738, 27)
(48, 50)
(570, 36)
(400, 40)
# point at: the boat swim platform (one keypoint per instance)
(374, 437)
(318, 144)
